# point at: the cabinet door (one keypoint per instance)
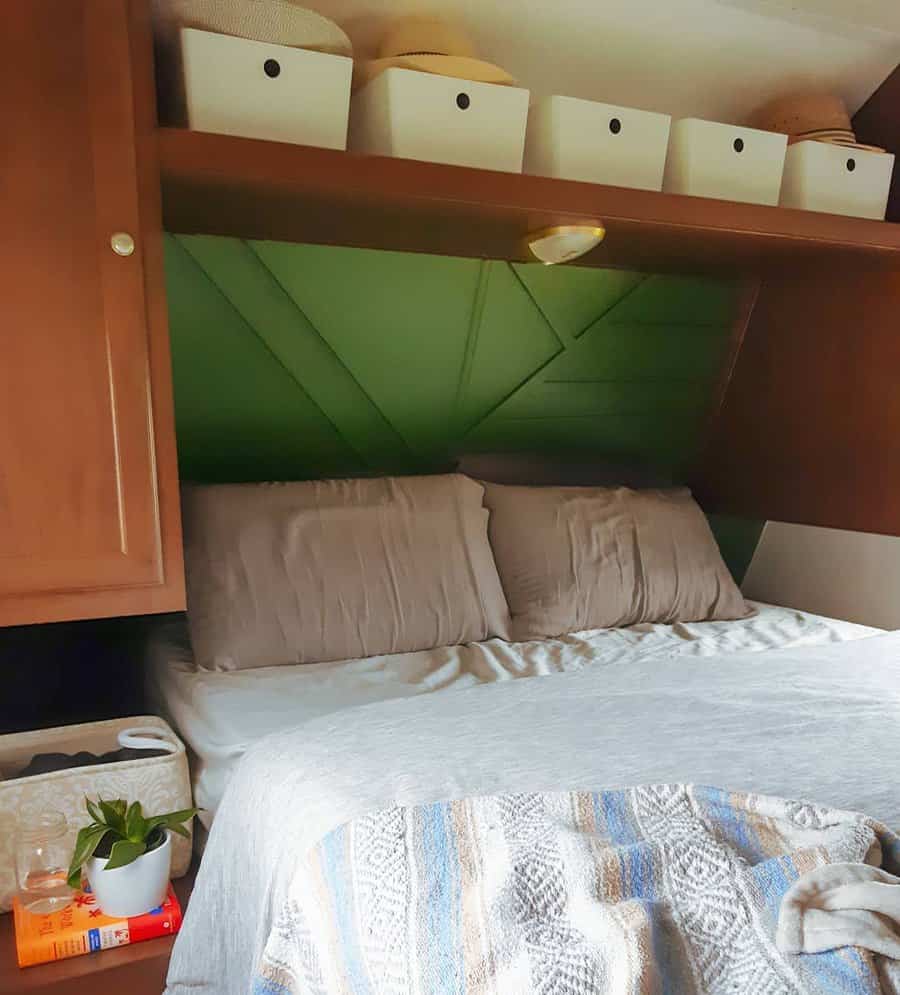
(88, 484)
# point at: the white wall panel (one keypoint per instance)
(850, 575)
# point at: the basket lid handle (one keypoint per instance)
(146, 738)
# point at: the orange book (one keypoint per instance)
(81, 928)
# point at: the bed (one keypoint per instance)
(816, 721)
(611, 775)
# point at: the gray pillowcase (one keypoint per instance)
(574, 558)
(286, 573)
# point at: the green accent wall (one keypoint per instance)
(737, 539)
(300, 361)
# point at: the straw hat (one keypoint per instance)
(429, 45)
(280, 22)
(810, 117)
(795, 115)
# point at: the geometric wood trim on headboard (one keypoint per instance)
(295, 361)
(745, 304)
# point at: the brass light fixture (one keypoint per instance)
(562, 243)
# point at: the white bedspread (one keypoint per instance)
(221, 714)
(817, 722)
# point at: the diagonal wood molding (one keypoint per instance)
(295, 361)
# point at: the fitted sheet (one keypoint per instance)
(220, 714)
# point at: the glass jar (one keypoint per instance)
(42, 860)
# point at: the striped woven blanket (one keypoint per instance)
(667, 888)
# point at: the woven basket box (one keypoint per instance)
(161, 784)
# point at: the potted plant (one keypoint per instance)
(125, 855)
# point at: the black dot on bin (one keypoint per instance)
(851, 165)
(739, 145)
(272, 68)
(462, 101)
(615, 126)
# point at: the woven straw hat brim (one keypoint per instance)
(859, 146)
(456, 66)
(279, 22)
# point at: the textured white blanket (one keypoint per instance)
(821, 723)
(220, 715)
(839, 905)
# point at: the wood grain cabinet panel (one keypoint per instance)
(88, 483)
(809, 431)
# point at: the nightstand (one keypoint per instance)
(139, 969)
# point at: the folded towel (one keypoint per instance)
(841, 905)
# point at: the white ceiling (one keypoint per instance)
(716, 59)
(877, 15)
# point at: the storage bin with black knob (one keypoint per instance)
(415, 115)
(233, 86)
(575, 139)
(724, 161)
(837, 179)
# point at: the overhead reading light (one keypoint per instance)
(562, 243)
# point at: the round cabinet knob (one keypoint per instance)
(122, 243)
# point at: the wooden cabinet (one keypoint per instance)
(89, 521)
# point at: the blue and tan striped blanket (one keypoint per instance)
(658, 889)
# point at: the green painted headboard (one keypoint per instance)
(297, 361)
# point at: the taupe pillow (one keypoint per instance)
(337, 569)
(573, 558)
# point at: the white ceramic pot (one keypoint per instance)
(135, 888)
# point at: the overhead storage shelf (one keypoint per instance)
(220, 185)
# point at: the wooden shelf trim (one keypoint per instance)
(217, 184)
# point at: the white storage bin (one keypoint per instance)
(161, 784)
(838, 180)
(415, 115)
(597, 143)
(250, 88)
(724, 161)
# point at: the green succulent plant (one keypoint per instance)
(122, 833)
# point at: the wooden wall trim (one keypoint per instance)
(745, 304)
(809, 431)
(170, 596)
(877, 122)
